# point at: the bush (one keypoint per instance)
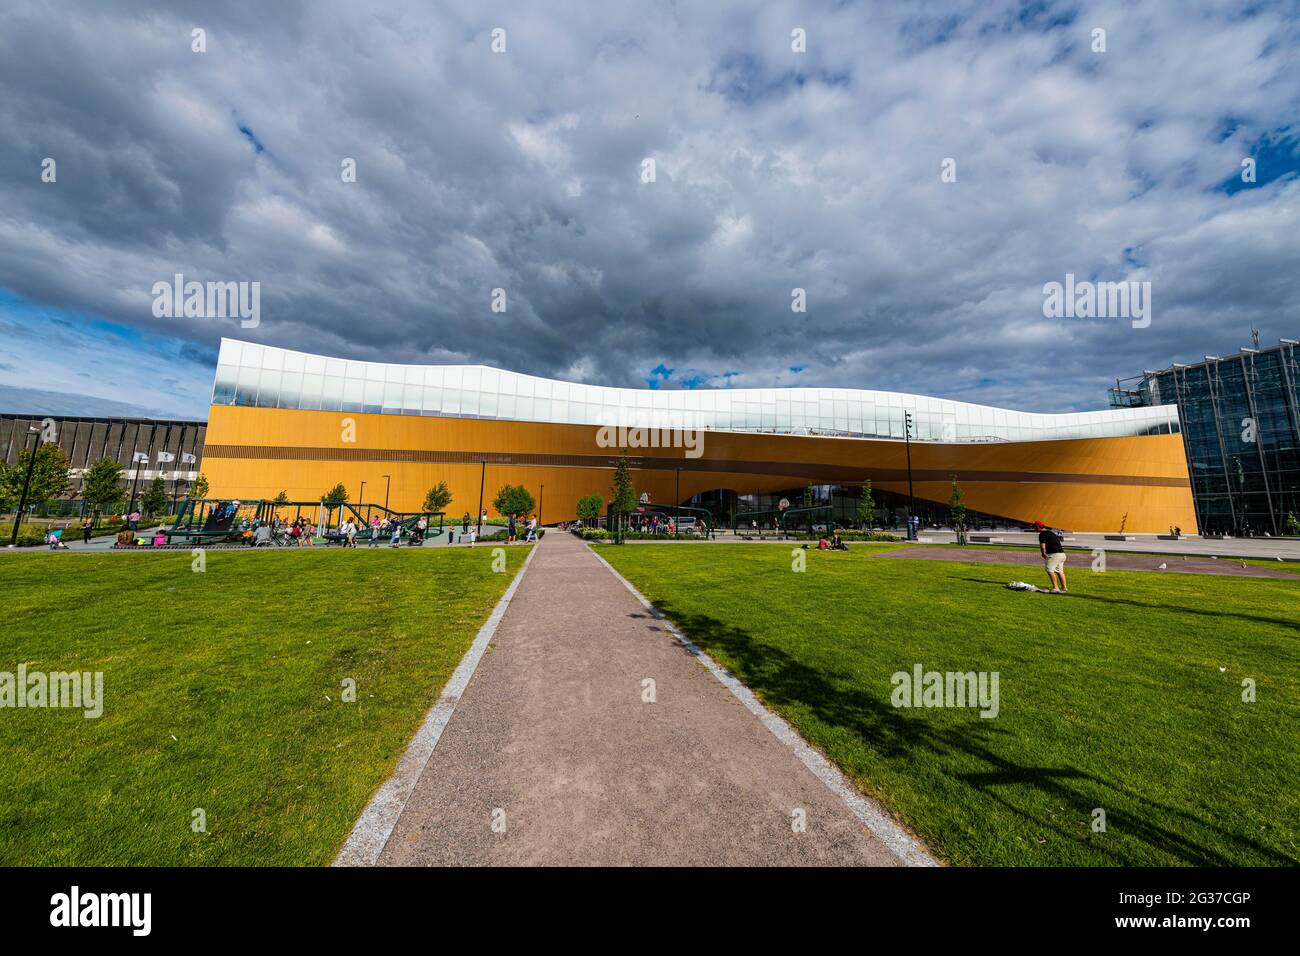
(505, 535)
(591, 534)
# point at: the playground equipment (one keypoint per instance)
(222, 519)
(698, 520)
(758, 523)
(782, 524)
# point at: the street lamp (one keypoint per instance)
(482, 477)
(27, 481)
(911, 501)
(387, 484)
(361, 495)
(677, 503)
(541, 496)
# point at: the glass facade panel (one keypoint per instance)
(249, 374)
(1240, 420)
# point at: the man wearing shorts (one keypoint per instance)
(1053, 551)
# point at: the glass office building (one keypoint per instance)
(1240, 417)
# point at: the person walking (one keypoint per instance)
(511, 529)
(1053, 551)
(86, 527)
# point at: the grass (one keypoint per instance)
(1124, 696)
(223, 693)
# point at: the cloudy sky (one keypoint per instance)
(523, 170)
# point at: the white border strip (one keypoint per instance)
(375, 826)
(899, 842)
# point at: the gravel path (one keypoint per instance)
(553, 743)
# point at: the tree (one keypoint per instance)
(867, 507)
(957, 511)
(336, 496)
(200, 488)
(809, 499)
(590, 507)
(282, 498)
(101, 485)
(49, 476)
(1292, 525)
(155, 499)
(438, 497)
(513, 500)
(624, 495)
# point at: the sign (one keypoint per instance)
(645, 497)
(783, 503)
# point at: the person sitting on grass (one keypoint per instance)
(1053, 551)
(823, 544)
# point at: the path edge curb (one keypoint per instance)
(906, 848)
(373, 829)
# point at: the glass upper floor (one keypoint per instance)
(267, 377)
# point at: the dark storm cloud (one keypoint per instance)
(775, 170)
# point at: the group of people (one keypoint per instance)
(260, 534)
(530, 527)
(832, 543)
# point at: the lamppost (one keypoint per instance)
(541, 496)
(136, 480)
(27, 481)
(911, 501)
(481, 478)
(387, 484)
(361, 495)
(677, 503)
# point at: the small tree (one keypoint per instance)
(282, 498)
(1292, 526)
(624, 495)
(438, 497)
(809, 498)
(101, 485)
(155, 498)
(590, 506)
(335, 497)
(867, 507)
(957, 511)
(49, 475)
(513, 500)
(200, 488)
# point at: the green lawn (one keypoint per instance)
(223, 692)
(1124, 696)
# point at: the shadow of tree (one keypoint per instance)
(1076, 595)
(836, 700)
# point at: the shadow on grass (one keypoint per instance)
(785, 684)
(1076, 595)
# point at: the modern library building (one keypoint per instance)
(284, 420)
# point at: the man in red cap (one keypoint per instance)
(1053, 551)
